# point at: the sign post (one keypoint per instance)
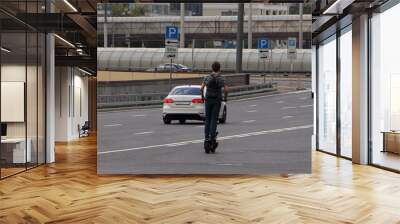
(292, 48)
(264, 52)
(171, 47)
(170, 74)
(292, 55)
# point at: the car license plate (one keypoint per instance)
(182, 103)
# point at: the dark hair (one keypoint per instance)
(216, 66)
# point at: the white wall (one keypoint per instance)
(71, 103)
(14, 73)
(62, 82)
(33, 106)
(80, 110)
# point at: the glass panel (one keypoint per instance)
(13, 88)
(385, 89)
(41, 98)
(31, 97)
(346, 94)
(32, 86)
(327, 96)
(22, 87)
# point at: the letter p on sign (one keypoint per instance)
(171, 32)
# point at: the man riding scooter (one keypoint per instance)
(214, 83)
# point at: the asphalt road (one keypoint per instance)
(269, 134)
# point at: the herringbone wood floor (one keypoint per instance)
(69, 191)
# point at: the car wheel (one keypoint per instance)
(182, 121)
(166, 121)
(223, 119)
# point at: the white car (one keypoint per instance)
(185, 103)
(168, 67)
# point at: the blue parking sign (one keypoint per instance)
(171, 32)
(292, 42)
(263, 43)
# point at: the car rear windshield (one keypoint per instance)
(186, 91)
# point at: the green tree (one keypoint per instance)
(138, 10)
(117, 9)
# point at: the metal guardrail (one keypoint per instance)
(153, 99)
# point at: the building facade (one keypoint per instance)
(224, 9)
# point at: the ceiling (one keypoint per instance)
(74, 22)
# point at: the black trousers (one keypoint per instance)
(212, 112)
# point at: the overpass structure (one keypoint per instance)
(140, 59)
(275, 27)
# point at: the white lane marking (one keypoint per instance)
(251, 111)
(304, 106)
(285, 108)
(199, 126)
(286, 117)
(201, 140)
(253, 105)
(139, 115)
(112, 125)
(280, 101)
(144, 133)
(249, 121)
(228, 164)
(272, 95)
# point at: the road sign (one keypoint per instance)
(171, 41)
(292, 55)
(292, 43)
(171, 51)
(264, 53)
(263, 49)
(171, 32)
(263, 44)
(291, 48)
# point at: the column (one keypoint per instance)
(250, 27)
(50, 99)
(239, 38)
(314, 91)
(360, 90)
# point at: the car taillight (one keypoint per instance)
(198, 101)
(168, 100)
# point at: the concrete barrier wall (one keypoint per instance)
(151, 99)
(159, 85)
(143, 92)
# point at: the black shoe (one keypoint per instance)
(207, 146)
